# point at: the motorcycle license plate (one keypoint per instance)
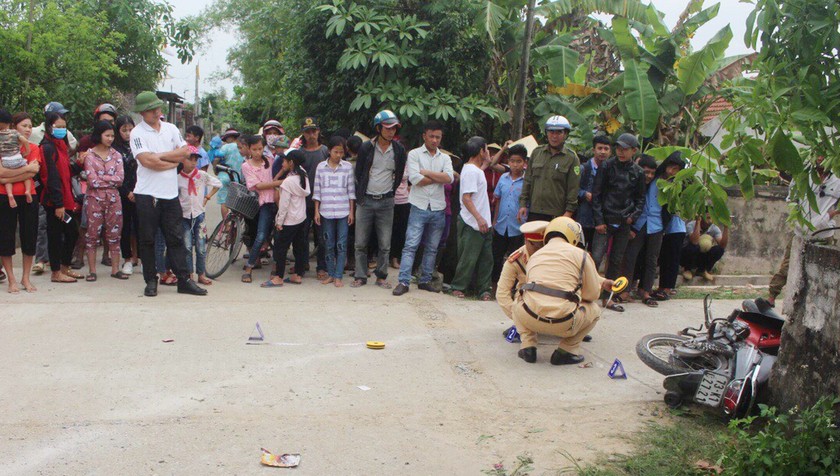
(711, 388)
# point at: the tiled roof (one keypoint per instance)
(714, 110)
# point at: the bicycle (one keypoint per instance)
(225, 243)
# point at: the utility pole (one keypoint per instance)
(521, 87)
(197, 104)
(31, 25)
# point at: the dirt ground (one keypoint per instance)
(89, 386)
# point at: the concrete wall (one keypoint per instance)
(759, 232)
(809, 359)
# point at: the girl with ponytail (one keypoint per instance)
(289, 222)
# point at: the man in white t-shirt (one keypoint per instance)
(159, 148)
(475, 237)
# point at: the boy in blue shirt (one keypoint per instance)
(646, 234)
(507, 237)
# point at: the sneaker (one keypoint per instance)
(128, 268)
(428, 287)
(400, 289)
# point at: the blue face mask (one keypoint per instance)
(59, 133)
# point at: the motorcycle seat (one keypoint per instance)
(759, 311)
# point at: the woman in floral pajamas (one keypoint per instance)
(105, 173)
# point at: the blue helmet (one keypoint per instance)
(386, 118)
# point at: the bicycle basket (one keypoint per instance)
(242, 200)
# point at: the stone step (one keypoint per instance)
(736, 280)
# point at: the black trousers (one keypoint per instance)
(669, 260)
(317, 238)
(693, 260)
(294, 236)
(399, 228)
(534, 216)
(650, 244)
(153, 213)
(503, 245)
(25, 216)
(588, 235)
(61, 238)
(129, 228)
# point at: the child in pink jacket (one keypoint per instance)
(291, 214)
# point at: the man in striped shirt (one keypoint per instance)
(428, 170)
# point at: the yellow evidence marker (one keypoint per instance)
(376, 345)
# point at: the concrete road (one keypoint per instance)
(89, 387)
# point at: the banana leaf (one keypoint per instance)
(695, 69)
(640, 98)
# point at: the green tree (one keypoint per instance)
(147, 27)
(790, 111)
(49, 71)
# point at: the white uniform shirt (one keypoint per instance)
(161, 184)
(431, 196)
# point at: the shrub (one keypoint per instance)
(805, 442)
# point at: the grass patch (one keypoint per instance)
(722, 292)
(667, 449)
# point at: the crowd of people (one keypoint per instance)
(140, 192)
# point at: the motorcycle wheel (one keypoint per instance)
(657, 352)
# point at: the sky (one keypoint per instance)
(212, 59)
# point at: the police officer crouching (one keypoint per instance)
(513, 271)
(562, 285)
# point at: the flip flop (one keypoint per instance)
(357, 283)
(383, 284)
(271, 284)
(91, 277)
(246, 278)
(120, 275)
(289, 280)
(650, 302)
(485, 297)
(616, 307)
(660, 296)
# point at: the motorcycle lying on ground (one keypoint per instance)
(724, 363)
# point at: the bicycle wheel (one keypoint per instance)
(220, 245)
(239, 228)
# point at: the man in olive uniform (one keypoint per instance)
(558, 298)
(552, 179)
(513, 271)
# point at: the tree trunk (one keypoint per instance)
(521, 87)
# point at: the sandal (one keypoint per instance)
(289, 280)
(660, 295)
(72, 274)
(271, 284)
(485, 296)
(459, 294)
(246, 278)
(67, 279)
(357, 283)
(650, 302)
(616, 307)
(119, 275)
(383, 284)
(90, 277)
(168, 279)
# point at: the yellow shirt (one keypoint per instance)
(512, 277)
(557, 266)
